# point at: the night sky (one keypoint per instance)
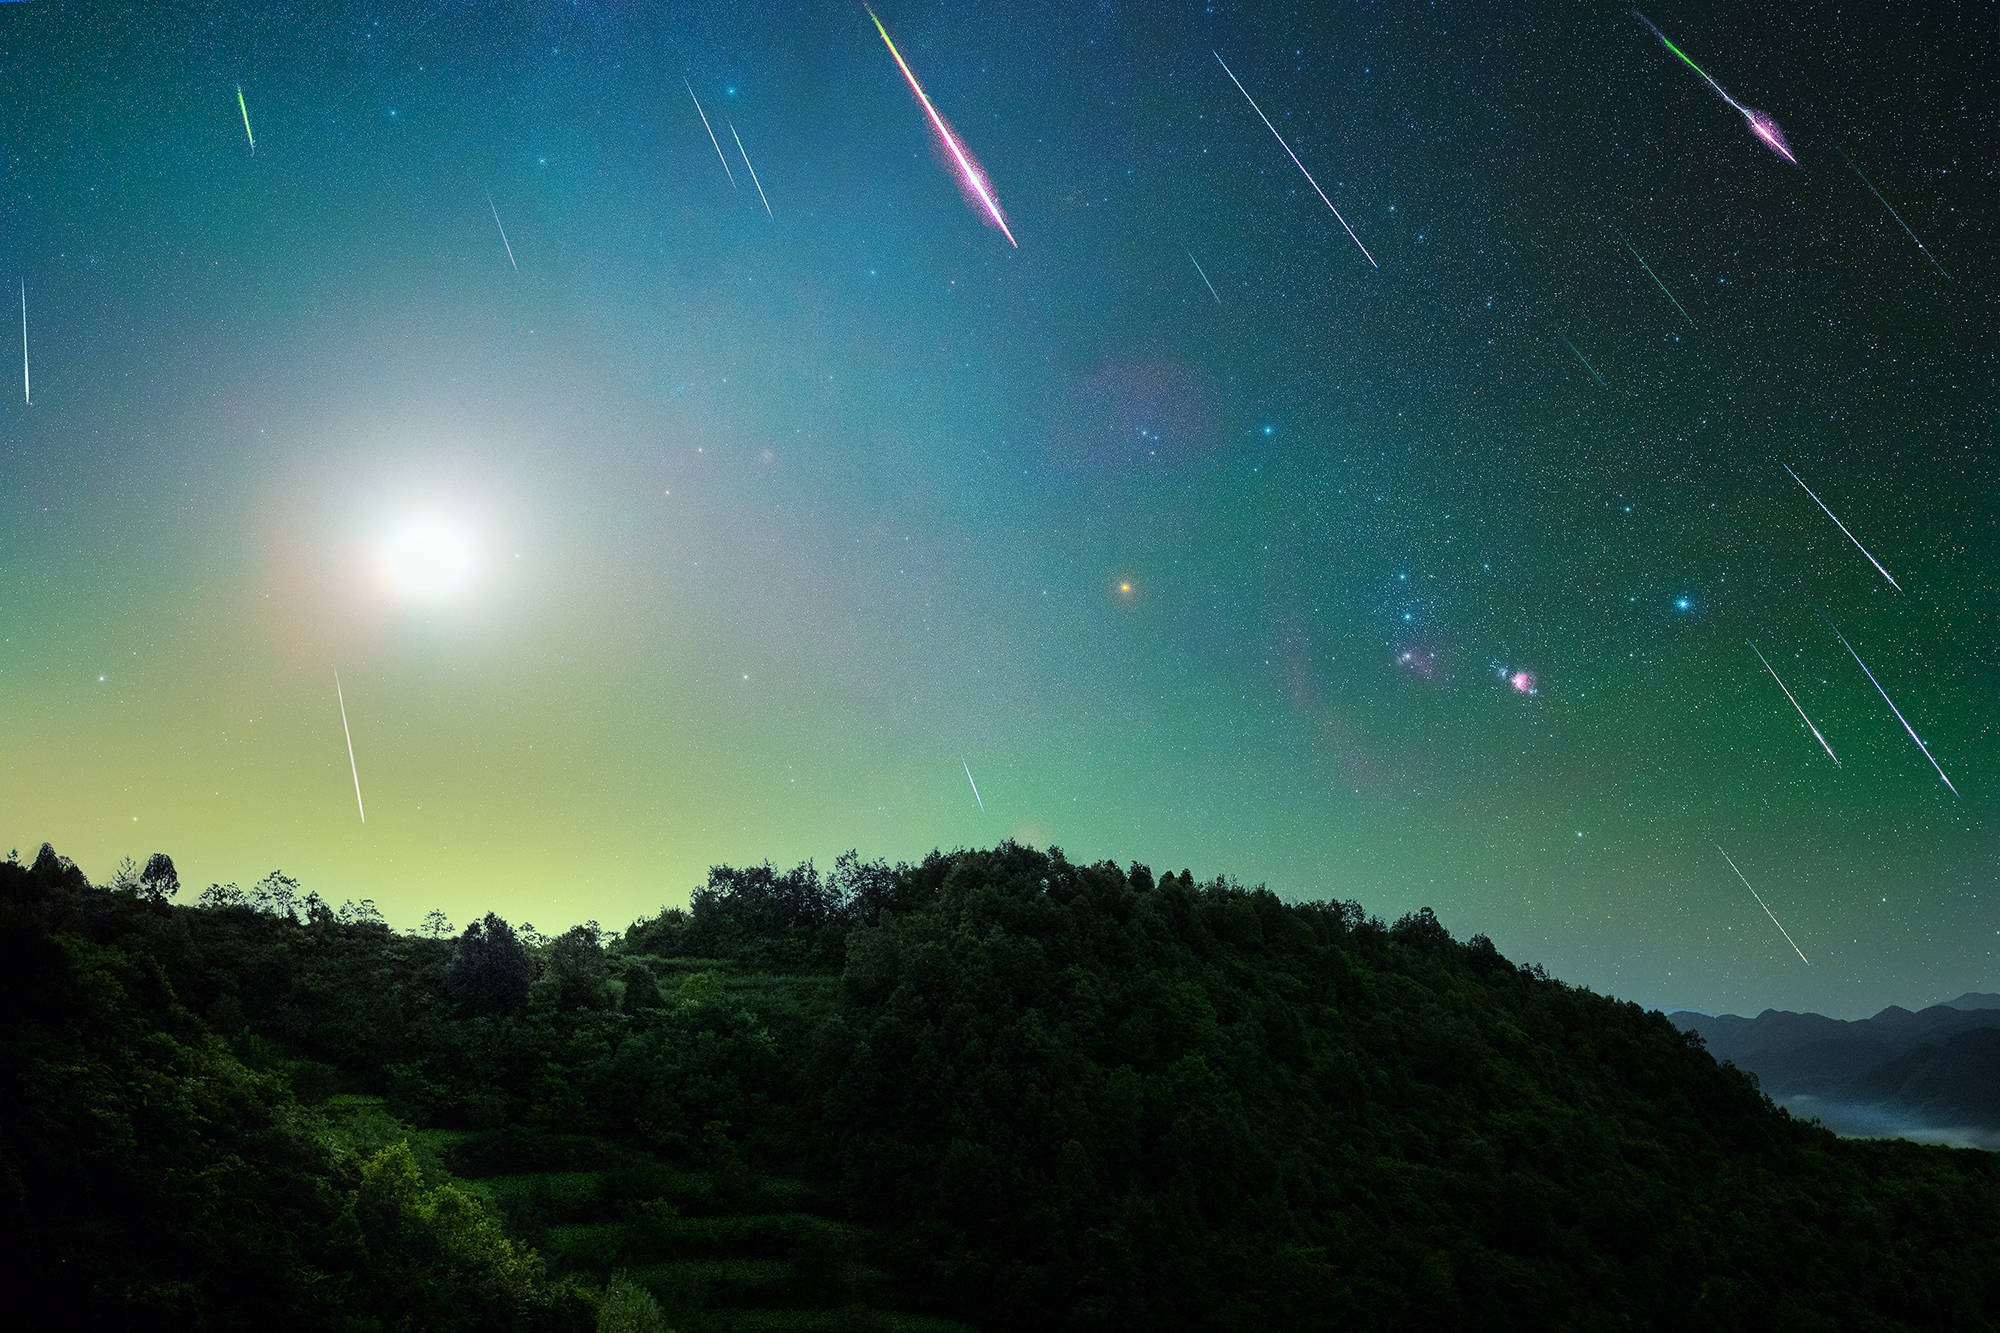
(711, 536)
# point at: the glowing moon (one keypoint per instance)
(428, 559)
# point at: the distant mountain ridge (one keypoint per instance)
(1931, 1074)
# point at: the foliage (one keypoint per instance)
(1030, 1093)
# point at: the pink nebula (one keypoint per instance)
(1524, 681)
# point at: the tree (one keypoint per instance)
(576, 962)
(159, 881)
(278, 894)
(220, 895)
(627, 1307)
(436, 924)
(489, 970)
(126, 878)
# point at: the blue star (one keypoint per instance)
(1683, 603)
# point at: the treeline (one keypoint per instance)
(1065, 1096)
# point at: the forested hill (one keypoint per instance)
(995, 1088)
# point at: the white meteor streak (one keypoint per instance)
(1289, 153)
(350, 744)
(975, 786)
(1795, 703)
(1767, 911)
(503, 231)
(27, 390)
(711, 135)
(1886, 699)
(1843, 527)
(753, 171)
(1204, 277)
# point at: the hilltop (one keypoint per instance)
(994, 1089)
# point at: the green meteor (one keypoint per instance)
(1654, 276)
(246, 117)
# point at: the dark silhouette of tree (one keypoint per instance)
(159, 881)
(436, 924)
(576, 963)
(220, 895)
(489, 970)
(278, 894)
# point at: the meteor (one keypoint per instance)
(1885, 697)
(975, 786)
(1795, 703)
(1892, 210)
(241, 106)
(1760, 124)
(974, 178)
(753, 171)
(1289, 153)
(27, 390)
(1767, 911)
(1654, 276)
(1580, 356)
(1204, 277)
(350, 744)
(503, 231)
(1843, 527)
(711, 135)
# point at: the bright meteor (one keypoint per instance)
(1767, 911)
(1204, 277)
(1289, 153)
(245, 109)
(503, 231)
(974, 179)
(27, 390)
(753, 171)
(1843, 527)
(1885, 698)
(350, 744)
(975, 786)
(711, 135)
(1760, 124)
(1795, 704)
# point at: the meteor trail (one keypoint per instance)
(1843, 527)
(1767, 911)
(974, 178)
(1795, 703)
(1892, 210)
(1760, 124)
(1580, 356)
(244, 108)
(1885, 697)
(1654, 276)
(975, 786)
(711, 135)
(753, 171)
(503, 231)
(350, 744)
(1289, 153)
(1204, 277)
(27, 391)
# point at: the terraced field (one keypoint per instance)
(750, 1254)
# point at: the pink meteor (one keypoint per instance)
(967, 168)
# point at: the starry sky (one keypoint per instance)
(668, 531)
